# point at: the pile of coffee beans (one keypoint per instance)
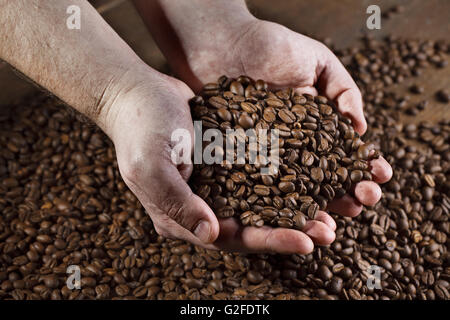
(63, 203)
(320, 154)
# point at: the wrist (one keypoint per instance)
(219, 33)
(122, 91)
(204, 53)
(189, 32)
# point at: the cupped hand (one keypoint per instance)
(142, 119)
(283, 58)
(146, 113)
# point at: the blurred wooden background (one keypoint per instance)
(343, 21)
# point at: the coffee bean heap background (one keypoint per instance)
(63, 202)
(320, 154)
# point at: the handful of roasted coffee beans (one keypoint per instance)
(320, 155)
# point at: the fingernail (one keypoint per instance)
(202, 231)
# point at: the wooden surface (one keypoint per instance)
(343, 21)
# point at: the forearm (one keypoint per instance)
(82, 67)
(185, 28)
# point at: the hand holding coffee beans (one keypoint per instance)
(72, 208)
(64, 204)
(320, 154)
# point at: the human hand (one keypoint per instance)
(148, 107)
(283, 58)
(145, 113)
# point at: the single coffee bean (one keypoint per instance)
(443, 96)
(286, 187)
(299, 221)
(261, 190)
(269, 212)
(356, 176)
(418, 89)
(245, 121)
(285, 223)
(224, 114)
(218, 102)
(248, 107)
(317, 174)
(225, 212)
(312, 210)
(237, 88)
(122, 290)
(254, 277)
(256, 221)
(307, 158)
(324, 273)
(286, 116)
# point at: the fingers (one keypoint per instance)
(381, 170)
(265, 239)
(368, 192)
(169, 194)
(349, 103)
(251, 239)
(336, 83)
(346, 206)
(309, 90)
(319, 232)
(327, 219)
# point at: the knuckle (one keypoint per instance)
(268, 241)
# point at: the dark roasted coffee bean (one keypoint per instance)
(317, 174)
(335, 285)
(285, 223)
(122, 290)
(312, 210)
(441, 291)
(443, 96)
(248, 107)
(246, 121)
(286, 116)
(269, 212)
(418, 89)
(238, 177)
(363, 151)
(356, 176)
(218, 102)
(299, 221)
(254, 277)
(286, 187)
(224, 114)
(225, 212)
(237, 88)
(256, 221)
(261, 190)
(324, 273)
(307, 158)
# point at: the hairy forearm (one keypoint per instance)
(80, 66)
(186, 28)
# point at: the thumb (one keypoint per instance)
(337, 84)
(170, 195)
